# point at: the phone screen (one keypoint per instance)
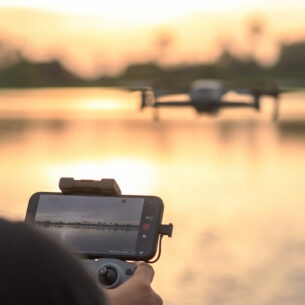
(100, 226)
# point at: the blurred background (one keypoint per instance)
(232, 184)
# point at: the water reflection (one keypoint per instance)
(16, 128)
(291, 130)
(272, 274)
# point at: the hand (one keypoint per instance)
(137, 290)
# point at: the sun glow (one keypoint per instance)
(135, 11)
(132, 11)
(95, 105)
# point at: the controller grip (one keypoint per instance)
(111, 273)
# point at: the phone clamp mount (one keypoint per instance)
(110, 272)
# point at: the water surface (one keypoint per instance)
(232, 185)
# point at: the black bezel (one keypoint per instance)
(146, 247)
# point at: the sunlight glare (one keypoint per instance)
(95, 105)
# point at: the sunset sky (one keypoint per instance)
(156, 11)
(91, 38)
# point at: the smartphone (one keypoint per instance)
(95, 226)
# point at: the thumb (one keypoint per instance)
(144, 271)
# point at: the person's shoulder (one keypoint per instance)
(12, 225)
(41, 266)
(11, 231)
(23, 237)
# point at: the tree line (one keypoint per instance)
(289, 69)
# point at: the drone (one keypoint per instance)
(206, 96)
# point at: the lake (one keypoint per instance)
(233, 185)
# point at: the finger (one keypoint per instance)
(145, 271)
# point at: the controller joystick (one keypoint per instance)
(111, 273)
(107, 276)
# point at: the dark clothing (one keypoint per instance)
(36, 270)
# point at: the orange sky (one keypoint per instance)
(92, 39)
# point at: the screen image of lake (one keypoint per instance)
(87, 239)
